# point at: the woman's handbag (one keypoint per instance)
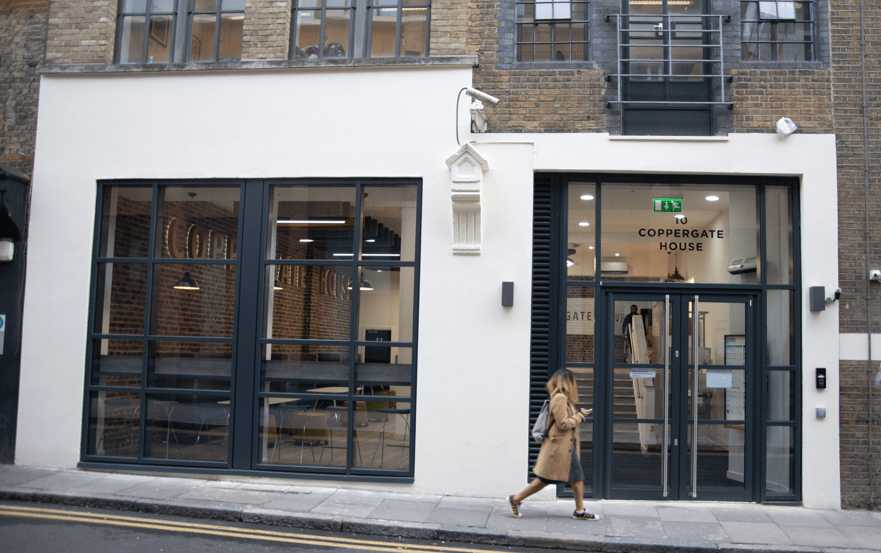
(540, 428)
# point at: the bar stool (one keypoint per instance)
(124, 410)
(406, 419)
(288, 410)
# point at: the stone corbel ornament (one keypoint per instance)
(466, 173)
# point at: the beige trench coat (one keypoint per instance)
(555, 457)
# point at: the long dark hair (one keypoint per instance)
(563, 382)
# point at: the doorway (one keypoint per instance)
(667, 82)
(678, 385)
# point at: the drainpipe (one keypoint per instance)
(871, 421)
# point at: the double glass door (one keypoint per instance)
(679, 372)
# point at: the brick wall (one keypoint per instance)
(854, 438)
(449, 28)
(537, 97)
(81, 31)
(267, 29)
(22, 48)
(762, 96)
(848, 128)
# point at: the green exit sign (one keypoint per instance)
(667, 205)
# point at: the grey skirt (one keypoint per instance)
(576, 473)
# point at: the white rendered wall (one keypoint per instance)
(473, 364)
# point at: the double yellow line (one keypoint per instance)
(212, 530)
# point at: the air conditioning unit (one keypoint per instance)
(741, 266)
(614, 267)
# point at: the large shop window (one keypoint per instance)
(166, 31)
(177, 373)
(360, 28)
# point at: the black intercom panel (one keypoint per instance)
(821, 379)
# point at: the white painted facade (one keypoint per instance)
(473, 365)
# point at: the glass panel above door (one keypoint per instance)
(680, 233)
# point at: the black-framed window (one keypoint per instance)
(552, 30)
(360, 29)
(178, 374)
(166, 31)
(777, 30)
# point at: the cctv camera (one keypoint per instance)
(875, 275)
(482, 96)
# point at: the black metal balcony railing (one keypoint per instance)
(676, 52)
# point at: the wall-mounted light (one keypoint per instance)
(364, 285)
(7, 249)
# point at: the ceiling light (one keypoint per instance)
(277, 285)
(187, 283)
(306, 240)
(365, 284)
(587, 197)
(380, 254)
(617, 255)
(583, 224)
(371, 240)
(679, 216)
(712, 198)
(310, 222)
(590, 247)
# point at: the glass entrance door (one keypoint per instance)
(679, 369)
(667, 61)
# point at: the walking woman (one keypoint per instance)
(558, 461)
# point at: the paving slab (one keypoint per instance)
(689, 513)
(297, 502)
(851, 518)
(60, 481)
(566, 525)
(407, 511)
(12, 476)
(531, 521)
(467, 518)
(863, 536)
(628, 508)
(351, 503)
(696, 532)
(739, 514)
(755, 533)
(110, 484)
(161, 488)
(634, 527)
(798, 518)
(471, 503)
(817, 537)
(225, 495)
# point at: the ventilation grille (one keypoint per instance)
(540, 342)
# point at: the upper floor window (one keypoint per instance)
(360, 28)
(552, 30)
(150, 31)
(777, 31)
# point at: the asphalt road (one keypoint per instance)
(39, 528)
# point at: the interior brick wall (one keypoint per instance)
(856, 458)
(22, 51)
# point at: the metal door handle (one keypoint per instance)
(666, 345)
(696, 338)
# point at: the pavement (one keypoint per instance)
(624, 526)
